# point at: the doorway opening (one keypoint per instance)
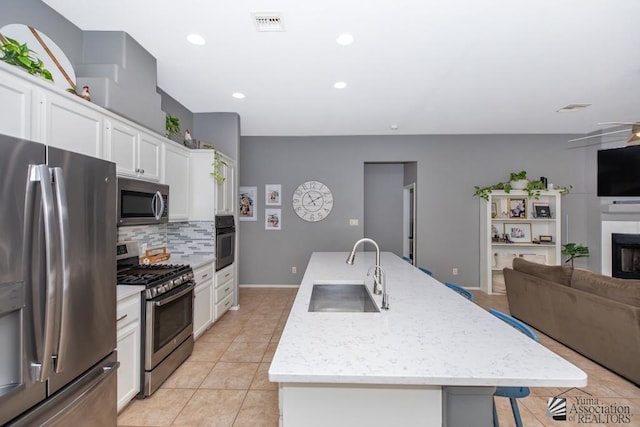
(390, 208)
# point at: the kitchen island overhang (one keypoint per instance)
(430, 339)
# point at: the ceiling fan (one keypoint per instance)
(635, 130)
(634, 138)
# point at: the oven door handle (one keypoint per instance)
(172, 298)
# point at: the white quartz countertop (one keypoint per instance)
(194, 261)
(429, 336)
(124, 291)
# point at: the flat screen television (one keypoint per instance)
(619, 172)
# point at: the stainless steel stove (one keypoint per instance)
(167, 313)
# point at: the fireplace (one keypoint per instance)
(625, 255)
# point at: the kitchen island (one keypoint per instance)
(430, 357)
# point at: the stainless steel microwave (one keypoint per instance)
(142, 202)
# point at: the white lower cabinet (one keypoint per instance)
(203, 300)
(128, 347)
(225, 285)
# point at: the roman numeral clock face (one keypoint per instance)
(312, 201)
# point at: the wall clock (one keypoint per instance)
(312, 201)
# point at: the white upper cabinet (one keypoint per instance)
(136, 153)
(149, 156)
(70, 125)
(16, 103)
(225, 193)
(202, 195)
(121, 144)
(175, 174)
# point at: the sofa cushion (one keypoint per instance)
(626, 291)
(560, 274)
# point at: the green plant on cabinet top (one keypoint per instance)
(172, 126)
(21, 56)
(217, 163)
(531, 187)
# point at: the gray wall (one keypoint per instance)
(448, 215)
(171, 106)
(383, 204)
(121, 74)
(39, 15)
(222, 130)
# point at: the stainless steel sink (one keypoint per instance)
(341, 298)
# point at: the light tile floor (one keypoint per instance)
(225, 381)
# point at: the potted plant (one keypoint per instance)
(21, 56)
(517, 181)
(172, 126)
(573, 251)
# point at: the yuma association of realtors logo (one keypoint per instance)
(557, 408)
(587, 410)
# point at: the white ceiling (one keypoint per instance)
(427, 66)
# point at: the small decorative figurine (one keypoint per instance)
(85, 93)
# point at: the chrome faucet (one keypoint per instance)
(385, 295)
(377, 282)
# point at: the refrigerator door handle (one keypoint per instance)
(63, 227)
(40, 174)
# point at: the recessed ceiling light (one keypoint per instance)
(339, 85)
(238, 95)
(344, 39)
(196, 39)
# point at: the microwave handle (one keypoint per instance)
(157, 213)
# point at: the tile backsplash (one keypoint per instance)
(180, 238)
(191, 238)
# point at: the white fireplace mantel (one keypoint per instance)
(608, 228)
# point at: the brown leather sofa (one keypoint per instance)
(595, 315)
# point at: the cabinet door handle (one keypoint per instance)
(227, 289)
(205, 275)
(227, 275)
(121, 317)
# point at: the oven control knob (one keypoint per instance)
(152, 292)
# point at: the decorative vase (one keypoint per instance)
(519, 184)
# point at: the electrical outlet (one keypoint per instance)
(455, 271)
(294, 270)
(353, 222)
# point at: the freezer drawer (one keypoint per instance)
(91, 398)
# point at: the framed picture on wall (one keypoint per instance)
(273, 219)
(272, 195)
(247, 203)
(518, 233)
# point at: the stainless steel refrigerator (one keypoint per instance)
(57, 287)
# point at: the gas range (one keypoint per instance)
(158, 279)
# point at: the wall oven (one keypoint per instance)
(225, 241)
(142, 202)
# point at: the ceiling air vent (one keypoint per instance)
(267, 21)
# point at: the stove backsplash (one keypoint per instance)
(180, 238)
